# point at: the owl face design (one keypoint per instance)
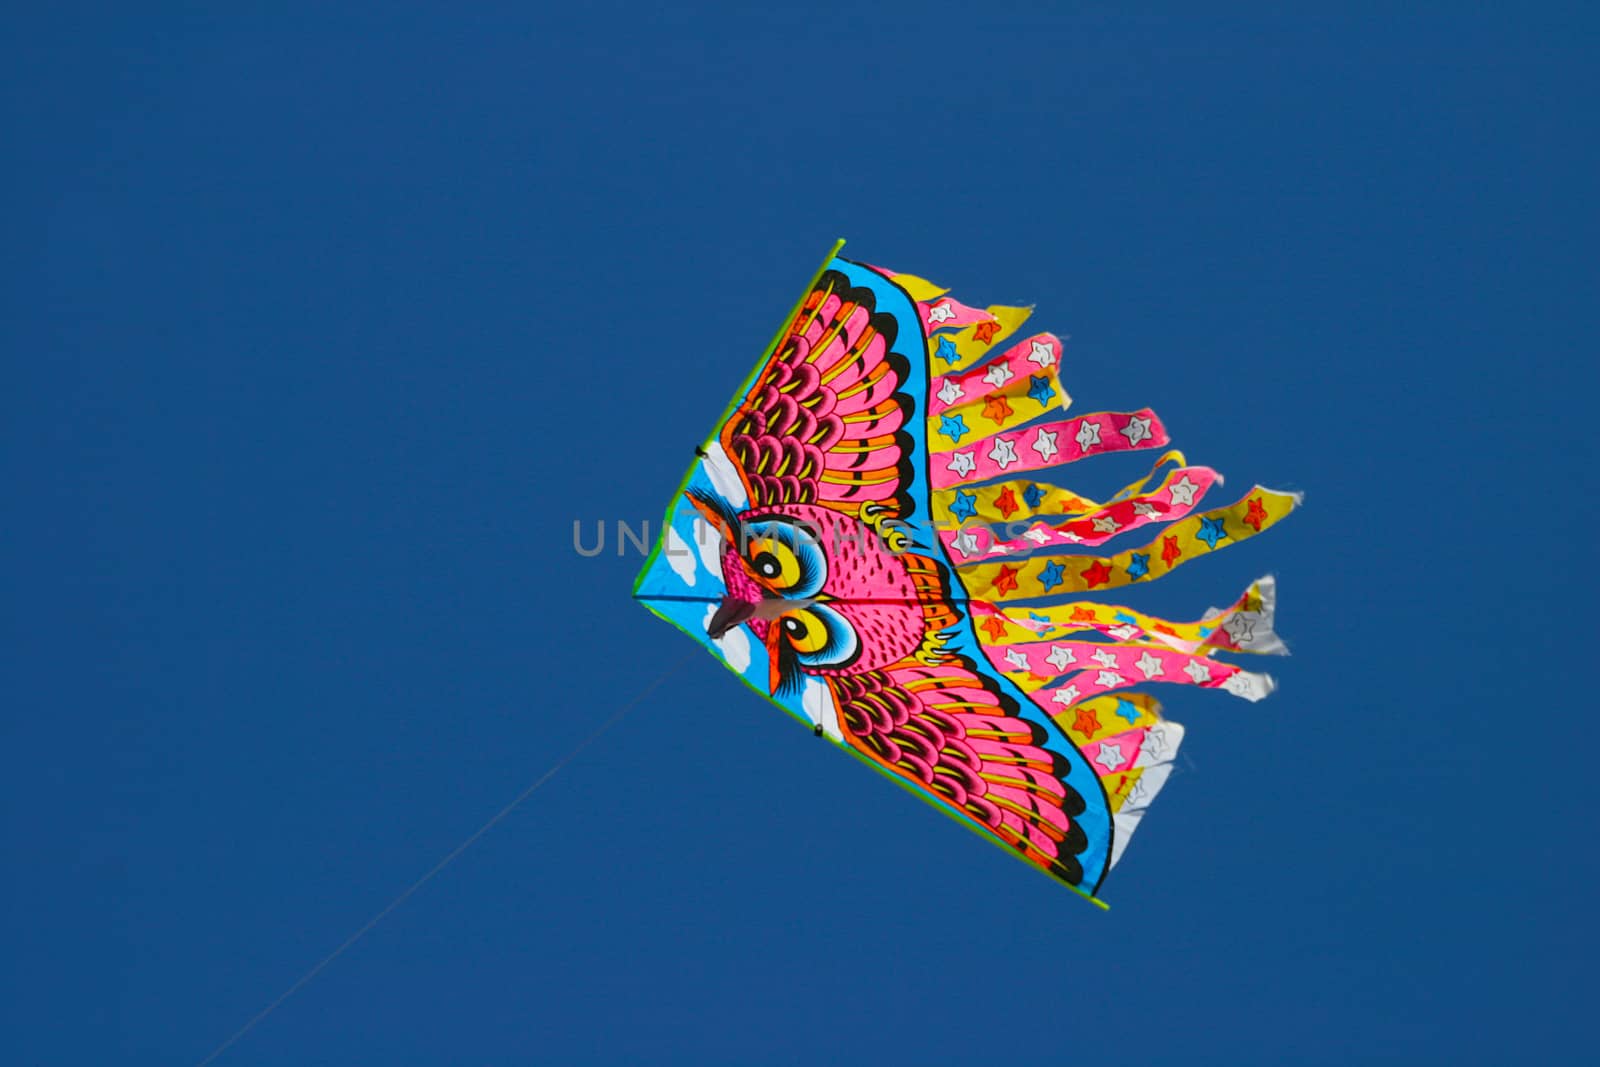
(819, 589)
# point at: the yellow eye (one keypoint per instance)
(805, 631)
(775, 562)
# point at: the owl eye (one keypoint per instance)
(820, 636)
(786, 557)
(775, 562)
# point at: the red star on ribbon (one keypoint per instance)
(1099, 574)
(1257, 513)
(1082, 615)
(1006, 502)
(994, 626)
(1170, 550)
(1007, 581)
(996, 410)
(1086, 724)
(985, 331)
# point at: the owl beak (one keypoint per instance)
(732, 612)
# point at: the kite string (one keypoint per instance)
(471, 839)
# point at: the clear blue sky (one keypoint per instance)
(320, 331)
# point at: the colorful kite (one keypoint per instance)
(874, 539)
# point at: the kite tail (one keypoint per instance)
(1003, 580)
(1079, 663)
(1131, 749)
(997, 433)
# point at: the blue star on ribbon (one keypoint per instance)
(1123, 616)
(953, 426)
(1040, 389)
(1128, 710)
(1211, 531)
(965, 506)
(947, 351)
(1033, 496)
(1138, 564)
(1052, 575)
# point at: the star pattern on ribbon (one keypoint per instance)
(1088, 435)
(965, 505)
(1086, 723)
(1006, 580)
(1004, 452)
(996, 410)
(1045, 445)
(1040, 390)
(1110, 756)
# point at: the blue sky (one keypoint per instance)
(322, 330)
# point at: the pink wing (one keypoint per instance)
(950, 732)
(823, 423)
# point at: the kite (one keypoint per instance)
(876, 539)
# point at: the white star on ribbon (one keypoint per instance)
(962, 464)
(1110, 756)
(1241, 628)
(1037, 535)
(1248, 685)
(999, 374)
(1183, 491)
(1017, 659)
(1106, 658)
(965, 543)
(1060, 656)
(1068, 535)
(1155, 744)
(1123, 632)
(1042, 354)
(1106, 524)
(1109, 680)
(1145, 509)
(1138, 797)
(1088, 434)
(1138, 429)
(941, 312)
(1198, 671)
(1003, 454)
(1149, 666)
(1045, 444)
(950, 392)
(1066, 695)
